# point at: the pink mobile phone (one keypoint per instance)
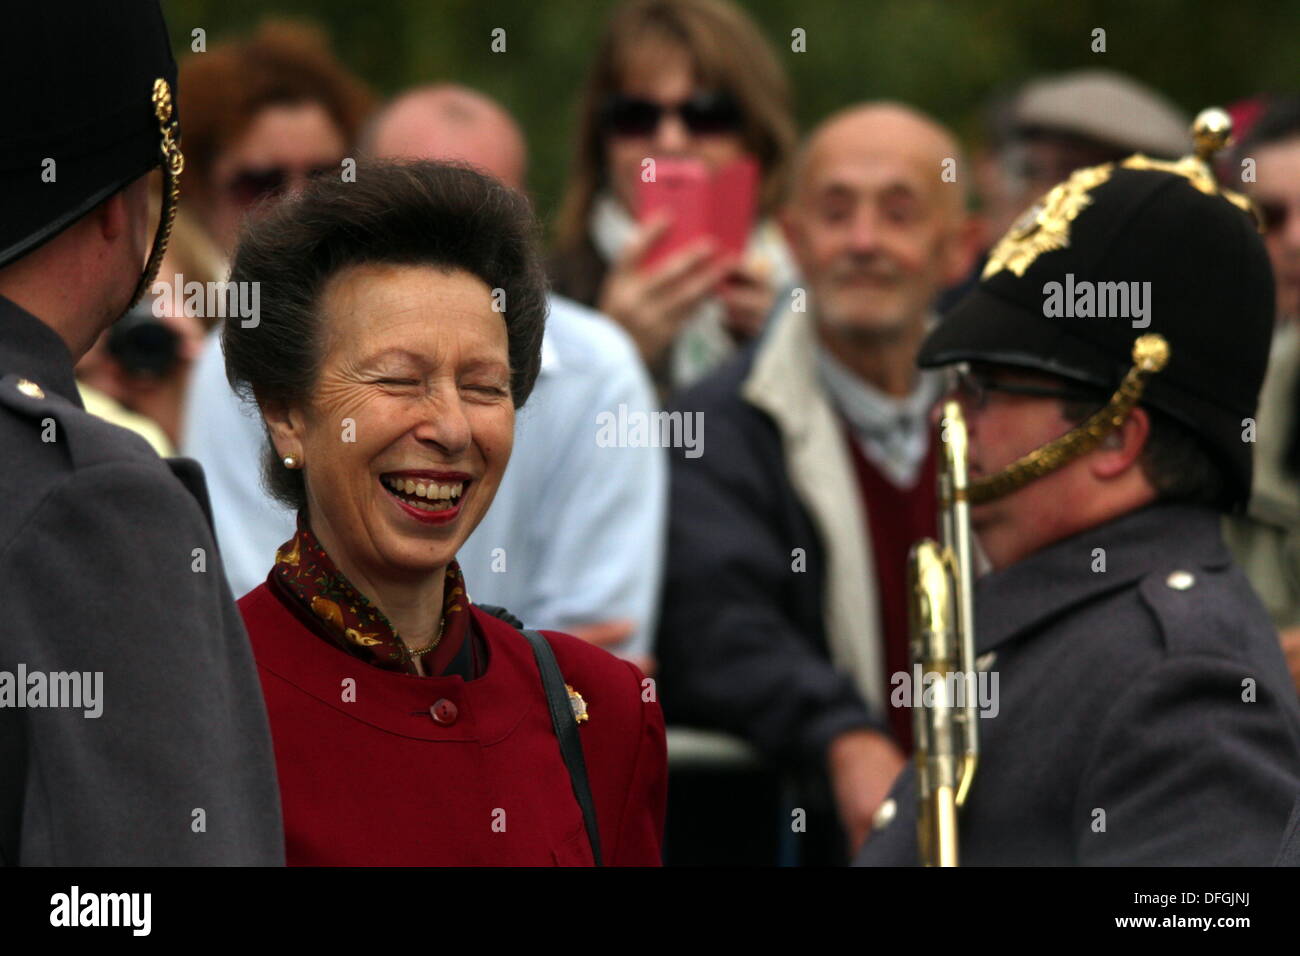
(681, 188)
(734, 203)
(700, 203)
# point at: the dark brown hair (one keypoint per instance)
(444, 215)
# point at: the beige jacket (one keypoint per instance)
(783, 383)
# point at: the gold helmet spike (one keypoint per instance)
(1211, 133)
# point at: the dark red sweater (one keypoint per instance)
(896, 519)
(376, 780)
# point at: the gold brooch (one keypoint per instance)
(578, 704)
(30, 388)
(1045, 226)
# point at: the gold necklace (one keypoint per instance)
(436, 641)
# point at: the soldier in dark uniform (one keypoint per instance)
(132, 730)
(1143, 709)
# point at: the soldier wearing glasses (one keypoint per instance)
(1145, 713)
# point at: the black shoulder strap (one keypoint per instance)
(562, 720)
(566, 729)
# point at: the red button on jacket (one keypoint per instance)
(444, 711)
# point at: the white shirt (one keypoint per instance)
(893, 433)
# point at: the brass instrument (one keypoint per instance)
(940, 613)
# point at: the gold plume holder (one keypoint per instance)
(1150, 355)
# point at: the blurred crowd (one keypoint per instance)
(763, 583)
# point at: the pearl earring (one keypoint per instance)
(290, 461)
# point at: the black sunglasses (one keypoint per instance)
(706, 113)
(252, 185)
(973, 388)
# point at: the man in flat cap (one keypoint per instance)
(1057, 124)
(1111, 359)
(132, 730)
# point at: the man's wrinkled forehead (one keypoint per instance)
(878, 172)
(879, 148)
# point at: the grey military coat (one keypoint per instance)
(108, 567)
(1145, 714)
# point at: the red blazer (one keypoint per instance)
(368, 776)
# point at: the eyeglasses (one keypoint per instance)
(249, 186)
(706, 113)
(972, 388)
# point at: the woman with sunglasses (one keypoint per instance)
(679, 80)
(263, 115)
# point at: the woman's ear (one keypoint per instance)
(286, 427)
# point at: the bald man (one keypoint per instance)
(450, 122)
(574, 538)
(788, 541)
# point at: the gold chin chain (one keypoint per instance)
(172, 165)
(1150, 355)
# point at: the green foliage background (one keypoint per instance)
(944, 57)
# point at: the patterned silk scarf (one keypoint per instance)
(348, 617)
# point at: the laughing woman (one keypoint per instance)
(400, 328)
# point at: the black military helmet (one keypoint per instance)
(88, 92)
(1051, 286)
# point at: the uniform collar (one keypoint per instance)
(30, 348)
(1160, 538)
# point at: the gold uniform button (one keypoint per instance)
(884, 814)
(1181, 580)
(30, 388)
